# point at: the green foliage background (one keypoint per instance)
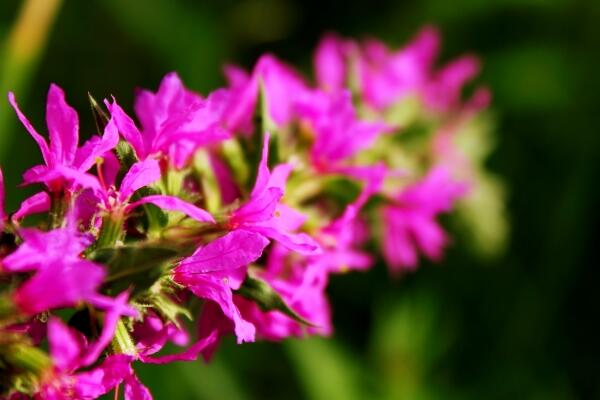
(519, 326)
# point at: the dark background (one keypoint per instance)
(522, 325)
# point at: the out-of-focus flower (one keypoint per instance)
(410, 224)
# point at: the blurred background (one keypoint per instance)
(521, 325)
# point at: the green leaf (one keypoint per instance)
(267, 298)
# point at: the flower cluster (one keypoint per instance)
(232, 210)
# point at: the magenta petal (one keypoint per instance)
(63, 125)
(219, 292)
(240, 109)
(257, 209)
(429, 236)
(65, 344)
(281, 87)
(172, 203)
(76, 179)
(118, 307)
(141, 174)
(299, 242)
(41, 142)
(152, 333)
(102, 379)
(135, 390)
(41, 250)
(263, 175)
(235, 75)
(59, 285)
(398, 248)
(191, 354)
(39, 202)
(236, 249)
(330, 67)
(128, 129)
(96, 147)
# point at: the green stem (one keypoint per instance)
(112, 230)
(58, 209)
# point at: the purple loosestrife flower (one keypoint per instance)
(383, 77)
(218, 268)
(264, 214)
(175, 121)
(339, 134)
(302, 280)
(67, 349)
(62, 278)
(410, 224)
(281, 84)
(65, 164)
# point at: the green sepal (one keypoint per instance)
(267, 298)
(100, 117)
(126, 155)
(167, 308)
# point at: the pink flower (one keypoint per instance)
(62, 278)
(65, 163)
(218, 268)
(332, 56)
(339, 134)
(443, 93)
(263, 213)
(175, 121)
(281, 84)
(387, 77)
(67, 348)
(410, 224)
